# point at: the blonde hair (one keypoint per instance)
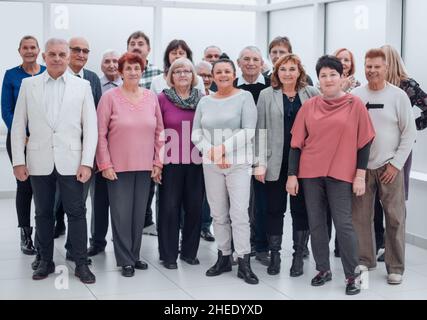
(179, 63)
(396, 71)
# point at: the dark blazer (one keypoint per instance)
(95, 85)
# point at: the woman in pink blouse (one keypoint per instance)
(130, 129)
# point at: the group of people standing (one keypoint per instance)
(213, 147)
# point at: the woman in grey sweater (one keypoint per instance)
(223, 129)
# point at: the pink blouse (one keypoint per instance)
(329, 133)
(130, 136)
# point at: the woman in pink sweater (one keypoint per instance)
(130, 130)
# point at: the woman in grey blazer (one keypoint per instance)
(277, 108)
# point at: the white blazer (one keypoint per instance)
(68, 143)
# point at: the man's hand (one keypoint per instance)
(156, 174)
(109, 174)
(21, 172)
(389, 174)
(83, 174)
(292, 186)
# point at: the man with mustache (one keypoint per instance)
(138, 42)
(391, 114)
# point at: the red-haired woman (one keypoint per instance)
(130, 126)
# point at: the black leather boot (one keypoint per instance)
(223, 264)
(27, 246)
(300, 240)
(275, 243)
(245, 272)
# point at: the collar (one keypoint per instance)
(47, 77)
(242, 81)
(73, 73)
(105, 81)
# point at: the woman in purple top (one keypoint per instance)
(182, 183)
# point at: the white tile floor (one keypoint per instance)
(188, 282)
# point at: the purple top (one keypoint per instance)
(178, 124)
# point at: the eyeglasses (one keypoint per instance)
(184, 72)
(205, 75)
(78, 50)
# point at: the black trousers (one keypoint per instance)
(182, 186)
(24, 194)
(149, 212)
(44, 188)
(319, 194)
(276, 206)
(101, 203)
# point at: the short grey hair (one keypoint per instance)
(203, 64)
(210, 47)
(53, 41)
(178, 63)
(109, 52)
(252, 49)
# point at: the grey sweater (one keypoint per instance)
(230, 121)
(391, 114)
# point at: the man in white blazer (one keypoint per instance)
(57, 110)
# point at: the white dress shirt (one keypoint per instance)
(242, 80)
(53, 95)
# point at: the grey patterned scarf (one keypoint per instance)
(189, 104)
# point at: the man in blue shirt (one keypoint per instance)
(29, 51)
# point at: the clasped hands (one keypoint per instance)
(217, 155)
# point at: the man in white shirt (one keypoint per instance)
(58, 111)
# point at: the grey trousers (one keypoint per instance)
(392, 197)
(319, 192)
(128, 200)
(227, 191)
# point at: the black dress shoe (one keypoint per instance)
(321, 278)
(69, 257)
(59, 230)
(93, 251)
(207, 235)
(170, 265)
(141, 265)
(192, 261)
(43, 270)
(84, 274)
(27, 246)
(353, 286)
(36, 262)
(128, 271)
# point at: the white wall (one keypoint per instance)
(230, 30)
(105, 27)
(356, 25)
(415, 53)
(297, 25)
(30, 22)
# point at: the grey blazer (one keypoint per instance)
(269, 142)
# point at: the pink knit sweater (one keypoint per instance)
(130, 136)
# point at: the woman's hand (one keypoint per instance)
(109, 174)
(292, 186)
(359, 186)
(259, 173)
(223, 163)
(156, 174)
(215, 154)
